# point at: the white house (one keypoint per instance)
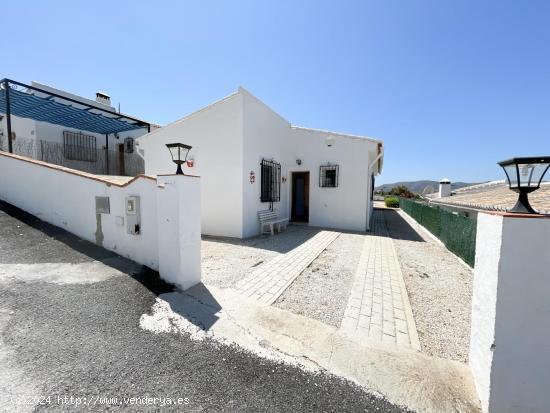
(248, 155)
(64, 140)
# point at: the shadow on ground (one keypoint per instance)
(399, 228)
(29, 240)
(282, 242)
(197, 305)
(79, 339)
(55, 245)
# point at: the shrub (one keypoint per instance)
(392, 202)
(402, 191)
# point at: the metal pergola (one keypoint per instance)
(35, 103)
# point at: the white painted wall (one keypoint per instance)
(215, 133)
(67, 200)
(229, 140)
(268, 135)
(345, 207)
(510, 350)
(486, 268)
(265, 135)
(24, 129)
(179, 218)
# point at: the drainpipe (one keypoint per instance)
(369, 179)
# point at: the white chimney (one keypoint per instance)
(103, 98)
(444, 188)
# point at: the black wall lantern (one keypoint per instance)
(524, 176)
(179, 152)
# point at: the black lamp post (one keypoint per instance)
(524, 176)
(178, 151)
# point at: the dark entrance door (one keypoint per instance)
(121, 170)
(300, 197)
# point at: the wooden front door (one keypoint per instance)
(300, 197)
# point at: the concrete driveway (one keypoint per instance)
(70, 339)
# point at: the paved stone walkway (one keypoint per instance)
(270, 280)
(379, 308)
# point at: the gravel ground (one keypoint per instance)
(439, 288)
(322, 290)
(225, 261)
(85, 341)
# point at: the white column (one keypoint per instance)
(179, 229)
(510, 338)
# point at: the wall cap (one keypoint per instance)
(75, 171)
(515, 215)
(184, 175)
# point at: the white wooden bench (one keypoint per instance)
(268, 219)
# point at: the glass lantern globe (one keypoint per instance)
(525, 176)
(179, 152)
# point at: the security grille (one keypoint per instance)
(271, 181)
(328, 176)
(129, 145)
(79, 147)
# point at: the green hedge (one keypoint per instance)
(457, 232)
(391, 201)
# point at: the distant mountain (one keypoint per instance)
(421, 187)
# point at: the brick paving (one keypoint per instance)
(379, 308)
(270, 280)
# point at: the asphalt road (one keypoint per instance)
(84, 340)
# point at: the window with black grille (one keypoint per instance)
(129, 145)
(328, 176)
(79, 147)
(271, 181)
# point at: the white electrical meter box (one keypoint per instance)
(133, 215)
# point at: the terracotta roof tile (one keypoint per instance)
(496, 196)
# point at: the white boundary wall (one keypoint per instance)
(66, 198)
(510, 338)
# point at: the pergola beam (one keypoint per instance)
(84, 116)
(138, 121)
(8, 115)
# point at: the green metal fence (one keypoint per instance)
(457, 232)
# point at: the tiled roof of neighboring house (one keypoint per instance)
(496, 196)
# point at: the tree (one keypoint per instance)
(402, 191)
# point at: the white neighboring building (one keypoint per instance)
(26, 128)
(27, 133)
(326, 178)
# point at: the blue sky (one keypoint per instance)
(451, 86)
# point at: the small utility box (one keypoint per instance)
(133, 215)
(102, 205)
